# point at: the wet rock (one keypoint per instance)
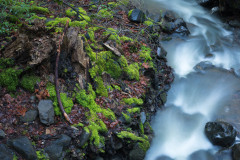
(168, 27)
(143, 117)
(169, 16)
(180, 22)
(203, 66)
(55, 150)
(235, 23)
(136, 153)
(209, 56)
(224, 154)
(83, 138)
(161, 53)
(215, 10)
(163, 158)
(236, 151)
(201, 154)
(2, 134)
(125, 118)
(150, 72)
(46, 111)
(163, 97)
(157, 18)
(5, 153)
(29, 116)
(137, 16)
(115, 157)
(220, 133)
(24, 147)
(182, 31)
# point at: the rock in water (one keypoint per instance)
(24, 147)
(220, 133)
(137, 16)
(236, 151)
(46, 111)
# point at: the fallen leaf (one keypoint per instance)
(145, 65)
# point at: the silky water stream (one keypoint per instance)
(196, 97)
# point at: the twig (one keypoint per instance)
(56, 76)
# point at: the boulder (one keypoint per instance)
(236, 151)
(83, 138)
(137, 16)
(55, 150)
(23, 146)
(2, 134)
(220, 133)
(5, 153)
(46, 111)
(137, 153)
(29, 116)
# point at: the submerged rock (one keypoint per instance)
(203, 66)
(137, 16)
(24, 147)
(236, 151)
(220, 133)
(55, 150)
(201, 154)
(46, 111)
(5, 153)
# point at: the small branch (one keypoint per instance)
(56, 75)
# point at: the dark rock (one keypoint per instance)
(83, 138)
(29, 116)
(157, 18)
(55, 150)
(206, 3)
(168, 27)
(143, 117)
(87, 36)
(233, 4)
(99, 158)
(161, 53)
(203, 66)
(180, 22)
(46, 111)
(235, 23)
(220, 133)
(5, 153)
(182, 31)
(150, 72)
(24, 147)
(125, 118)
(137, 153)
(215, 10)
(209, 56)
(2, 134)
(202, 154)
(169, 16)
(236, 151)
(137, 16)
(115, 157)
(163, 97)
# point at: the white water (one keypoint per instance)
(194, 98)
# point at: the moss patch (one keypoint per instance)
(40, 10)
(133, 71)
(130, 12)
(146, 53)
(29, 81)
(6, 62)
(148, 23)
(105, 14)
(70, 12)
(112, 4)
(9, 78)
(133, 100)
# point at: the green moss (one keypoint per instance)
(9, 78)
(113, 68)
(85, 145)
(114, 35)
(130, 12)
(141, 128)
(66, 101)
(105, 14)
(41, 156)
(36, 17)
(89, 51)
(89, 102)
(125, 38)
(86, 129)
(112, 4)
(40, 10)
(29, 81)
(133, 71)
(134, 110)
(109, 87)
(96, 46)
(125, 2)
(81, 24)
(15, 157)
(123, 62)
(126, 117)
(13, 19)
(83, 14)
(78, 125)
(70, 12)
(144, 143)
(117, 87)
(147, 124)
(51, 17)
(6, 62)
(58, 20)
(133, 100)
(101, 90)
(148, 23)
(146, 53)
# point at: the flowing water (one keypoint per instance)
(196, 97)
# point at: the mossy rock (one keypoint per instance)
(39, 10)
(29, 81)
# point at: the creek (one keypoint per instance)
(196, 97)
